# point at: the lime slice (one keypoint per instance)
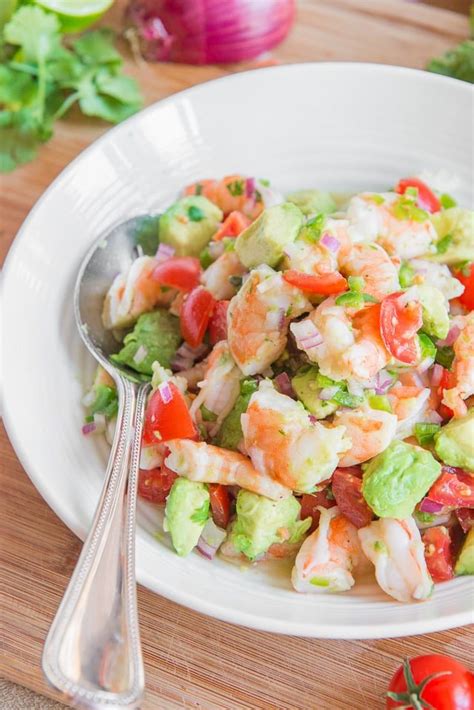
(76, 15)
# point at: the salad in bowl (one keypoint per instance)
(312, 366)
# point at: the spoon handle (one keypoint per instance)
(92, 652)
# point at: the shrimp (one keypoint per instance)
(369, 430)
(199, 461)
(283, 443)
(258, 318)
(317, 258)
(376, 217)
(216, 276)
(437, 275)
(396, 549)
(220, 387)
(463, 367)
(229, 194)
(134, 293)
(328, 556)
(376, 268)
(410, 404)
(352, 348)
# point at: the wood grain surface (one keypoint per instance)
(193, 661)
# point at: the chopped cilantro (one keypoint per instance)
(447, 201)
(201, 515)
(406, 208)
(346, 399)
(445, 356)
(442, 245)
(195, 214)
(236, 188)
(205, 258)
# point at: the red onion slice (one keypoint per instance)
(88, 428)
(140, 355)
(436, 375)
(383, 381)
(283, 383)
(331, 243)
(165, 392)
(250, 187)
(165, 252)
(430, 506)
(451, 337)
(211, 539)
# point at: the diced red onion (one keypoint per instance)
(250, 187)
(211, 539)
(186, 356)
(383, 380)
(140, 355)
(436, 375)
(165, 392)
(328, 393)
(275, 319)
(88, 428)
(284, 385)
(450, 338)
(433, 417)
(306, 334)
(430, 506)
(425, 365)
(330, 242)
(165, 251)
(312, 419)
(216, 249)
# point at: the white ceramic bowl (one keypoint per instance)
(337, 126)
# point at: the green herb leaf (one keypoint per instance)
(16, 87)
(445, 356)
(405, 208)
(442, 245)
(356, 283)
(236, 188)
(120, 87)
(207, 415)
(201, 515)
(406, 275)
(457, 62)
(447, 201)
(195, 214)
(106, 401)
(313, 228)
(97, 47)
(347, 400)
(205, 258)
(35, 31)
(425, 432)
(147, 234)
(20, 136)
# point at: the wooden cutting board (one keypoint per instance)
(193, 661)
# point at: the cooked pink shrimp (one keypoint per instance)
(328, 556)
(220, 387)
(216, 276)
(134, 293)
(258, 318)
(374, 265)
(324, 256)
(396, 549)
(199, 461)
(352, 348)
(410, 403)
(229, 194)
(439, 276)
(283, 443)
(463, 367)
(370, 432)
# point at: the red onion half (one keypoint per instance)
(430, 506)
(207, 31)
(284, 385)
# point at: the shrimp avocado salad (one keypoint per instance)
(312, 367)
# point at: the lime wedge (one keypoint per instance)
(76, 15)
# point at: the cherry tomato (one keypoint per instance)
(323, 285)
(232, 226)
(195, 314)
(399, 323)
(467, 279)
(426, 198)
(466, 518)
(439, 553)
(165, 420)
(309, 506)
(182, 272)
(155, 484)
(218, 322)
(440, 681)
(347, 490)
(454, 488)
(220, 504)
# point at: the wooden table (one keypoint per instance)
(193, 661)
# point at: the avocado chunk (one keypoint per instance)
(186, 514)
(313, 202)
(465, 561)
(434, 311)
(189, 224)
(261, 522)
(155, 337)
(454, 442)
(307, 388)
(230, 434)
(398, 478)
(455, 229)
(264, 241)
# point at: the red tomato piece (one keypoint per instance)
(182, 272)
(399, 323)
(466, 518)
(467, 279)
(155, 484)
(426, 198)
(167, 417)
(347, 490)
(439, 553)
(195, 314)
(218, 322)
(454, 488)
(220, 504)
(309, 506)
(440, 681)
(232, 226)
(324, 285)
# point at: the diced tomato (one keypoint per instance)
(218, 322)
(232, 226)
(454, 487)
(399, 323)
(466, 518)
(309, 506)
(426, 198)
(347, 490)
(195, 314)
(467, 279)
(439, 553)
(220, 504)
(165, 420)
(155, 484)
(182, 272)
(323, 285)
(447, 380)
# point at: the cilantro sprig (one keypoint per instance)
(41, 78)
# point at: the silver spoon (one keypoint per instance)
(92, 653)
